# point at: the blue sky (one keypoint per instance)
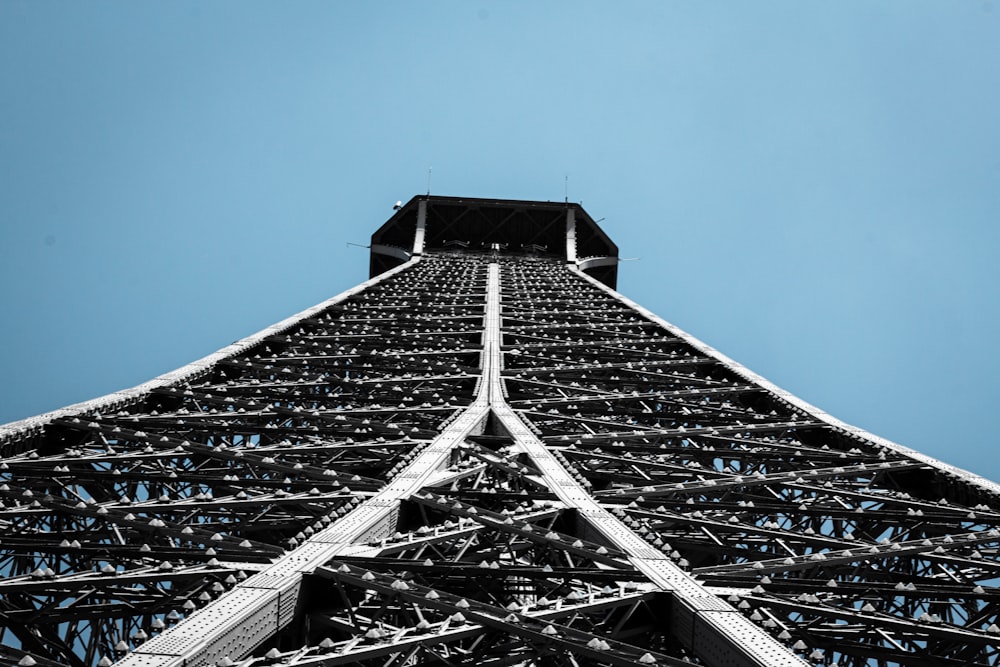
(812, 188)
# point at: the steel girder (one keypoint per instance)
(483, 459)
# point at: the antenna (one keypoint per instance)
(429, 170)
(567, 188)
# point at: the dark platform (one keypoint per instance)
(549, 229)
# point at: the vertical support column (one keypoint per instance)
(492, 358)
(418, 238)
(571, 236)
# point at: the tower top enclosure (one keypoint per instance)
(547, 229)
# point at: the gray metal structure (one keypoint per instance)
(483, 455)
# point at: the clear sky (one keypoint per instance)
(812, 188)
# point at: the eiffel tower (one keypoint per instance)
(483, 455)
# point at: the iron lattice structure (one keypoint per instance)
(483, 456)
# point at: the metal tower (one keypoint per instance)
(484, 455)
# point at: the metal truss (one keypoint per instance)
(849, 549)
(483, 459)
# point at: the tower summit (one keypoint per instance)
(516, 228)
(483, 455)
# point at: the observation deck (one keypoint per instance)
(514, 227)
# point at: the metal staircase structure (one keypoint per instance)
(483, 455)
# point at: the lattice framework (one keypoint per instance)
(483, 458)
